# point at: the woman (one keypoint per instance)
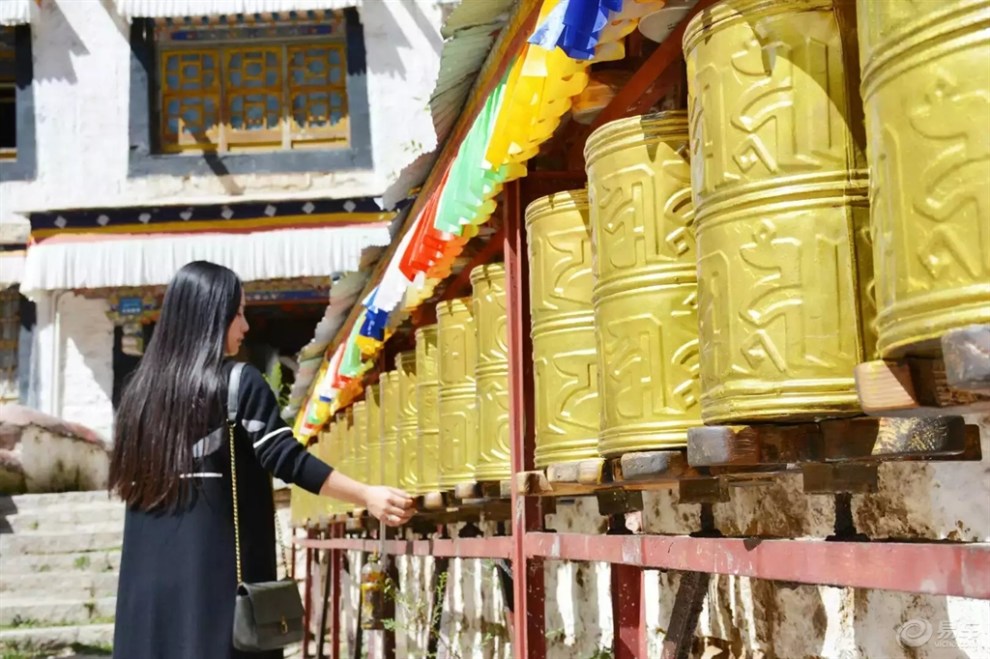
(171, 465)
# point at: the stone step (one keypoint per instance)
(15, 612)
(79, 518)
(15, 544)
(68, 585)
(52, 639)
(92, 561)
(23, 503)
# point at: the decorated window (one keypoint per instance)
(8, 95)
(260, 81)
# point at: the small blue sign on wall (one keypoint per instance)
(130, 306)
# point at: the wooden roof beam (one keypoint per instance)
(646, 86)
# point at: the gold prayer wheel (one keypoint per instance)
(405, 367)
(374, 436)
(333, 452)
(390, 409)
(428, 408)
(458, 355)
(564, 353)
(781, 209)
(926, 92)
(348, 446)
(359, 441)
(323, 451)
(639, 189)
(492, 373)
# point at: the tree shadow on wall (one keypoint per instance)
(57, 64)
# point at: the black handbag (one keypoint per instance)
(267, 615)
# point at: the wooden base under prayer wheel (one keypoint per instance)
(956, 381)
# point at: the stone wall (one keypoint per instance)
(742, 617)
(72, 371)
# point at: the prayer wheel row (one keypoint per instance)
(443, 411)
(822, 201)
(721, 267)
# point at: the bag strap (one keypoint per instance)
(233, 393)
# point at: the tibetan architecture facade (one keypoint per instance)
(140, 135)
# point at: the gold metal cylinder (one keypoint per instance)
(926, 92)
(322, 451)
(374, 437)
(332, 454)
(348, 446)
(458, 355)
(428, 408)
(564, 353)
(359, 441)
(492, 373)
(405, 366)
(781, 209)
(390, 409)
(639, 189)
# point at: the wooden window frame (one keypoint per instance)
(288, 136)
(7, 153)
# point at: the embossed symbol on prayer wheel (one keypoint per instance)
(348, 462)
(564, 353)
(926, 91)
(405, 366)
(390, 409)
(639, 186)
(781, 209)
(359, 441)
(428, 409)
(458, 353)
(374, 437)
(328, 449)
(492, 372)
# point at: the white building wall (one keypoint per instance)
(82, 69)
(82, 65)
(73, 368)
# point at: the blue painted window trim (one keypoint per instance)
(25, 166)
(145, 161)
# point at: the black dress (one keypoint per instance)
(175, 599)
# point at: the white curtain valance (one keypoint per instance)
(132, 260)
(15, 12)
(174, 8)
(11, 266)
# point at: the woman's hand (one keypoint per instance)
(388, 504)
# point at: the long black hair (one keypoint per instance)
(178, 390)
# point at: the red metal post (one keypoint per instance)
(292, 565)
(628, 613)
(527, 575)
(337, 531)
(308, 598)
(958, 569)
(491, 547)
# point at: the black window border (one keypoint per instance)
(144, 159)
(25, 166)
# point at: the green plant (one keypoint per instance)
(101, 649)
(419, 614)
(81, 562)
(20, 622)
